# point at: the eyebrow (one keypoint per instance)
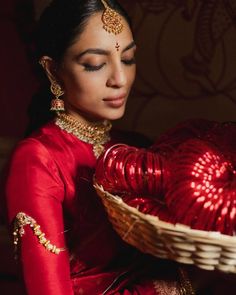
(100, 51)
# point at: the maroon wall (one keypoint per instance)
(16, 76)
(186, 63)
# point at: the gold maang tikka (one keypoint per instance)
(112, 21)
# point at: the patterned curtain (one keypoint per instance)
(186, 62)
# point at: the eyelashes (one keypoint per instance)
(129, 62)
(93, 68)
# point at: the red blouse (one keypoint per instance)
(50, 179)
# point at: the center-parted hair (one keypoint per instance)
(63, 21)
(59, 26)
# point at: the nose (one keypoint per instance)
(117, 77)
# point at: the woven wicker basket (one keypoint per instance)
(207, 250)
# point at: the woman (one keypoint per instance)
(64, 240)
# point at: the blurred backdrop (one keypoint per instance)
(186, 68)
(186, 62)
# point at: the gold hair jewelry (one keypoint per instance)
(96, 134)
(57, 104)
(22, 220)
(112, 21)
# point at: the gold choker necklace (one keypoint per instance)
(96, 134)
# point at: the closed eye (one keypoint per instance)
(129, 62)
(92, 68)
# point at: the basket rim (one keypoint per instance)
(206, 237)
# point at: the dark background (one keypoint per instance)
(186, 69)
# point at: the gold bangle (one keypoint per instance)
(186, 287)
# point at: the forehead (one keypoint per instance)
(94, 35)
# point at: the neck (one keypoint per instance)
(84, 118)
(95, 133)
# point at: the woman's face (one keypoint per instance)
(96, 75)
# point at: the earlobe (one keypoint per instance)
(49, 65)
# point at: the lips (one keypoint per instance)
(116, 101)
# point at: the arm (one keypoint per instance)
(35, 188)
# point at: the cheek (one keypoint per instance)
(131, 75)
(90, 80)
(88, 85)
(74, 79)
(70, 81)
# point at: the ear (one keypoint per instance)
(50, 68)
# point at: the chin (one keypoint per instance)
(115, 115)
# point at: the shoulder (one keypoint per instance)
(30, 155)
(35, 147)
(32, 161)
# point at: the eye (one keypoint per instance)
(92, 68)
(129, 62)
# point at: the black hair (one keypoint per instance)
(59, 26)
(63, 21)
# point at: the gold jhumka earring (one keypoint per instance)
(57, 104)
(112, 21)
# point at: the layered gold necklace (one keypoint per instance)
(96, 134)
